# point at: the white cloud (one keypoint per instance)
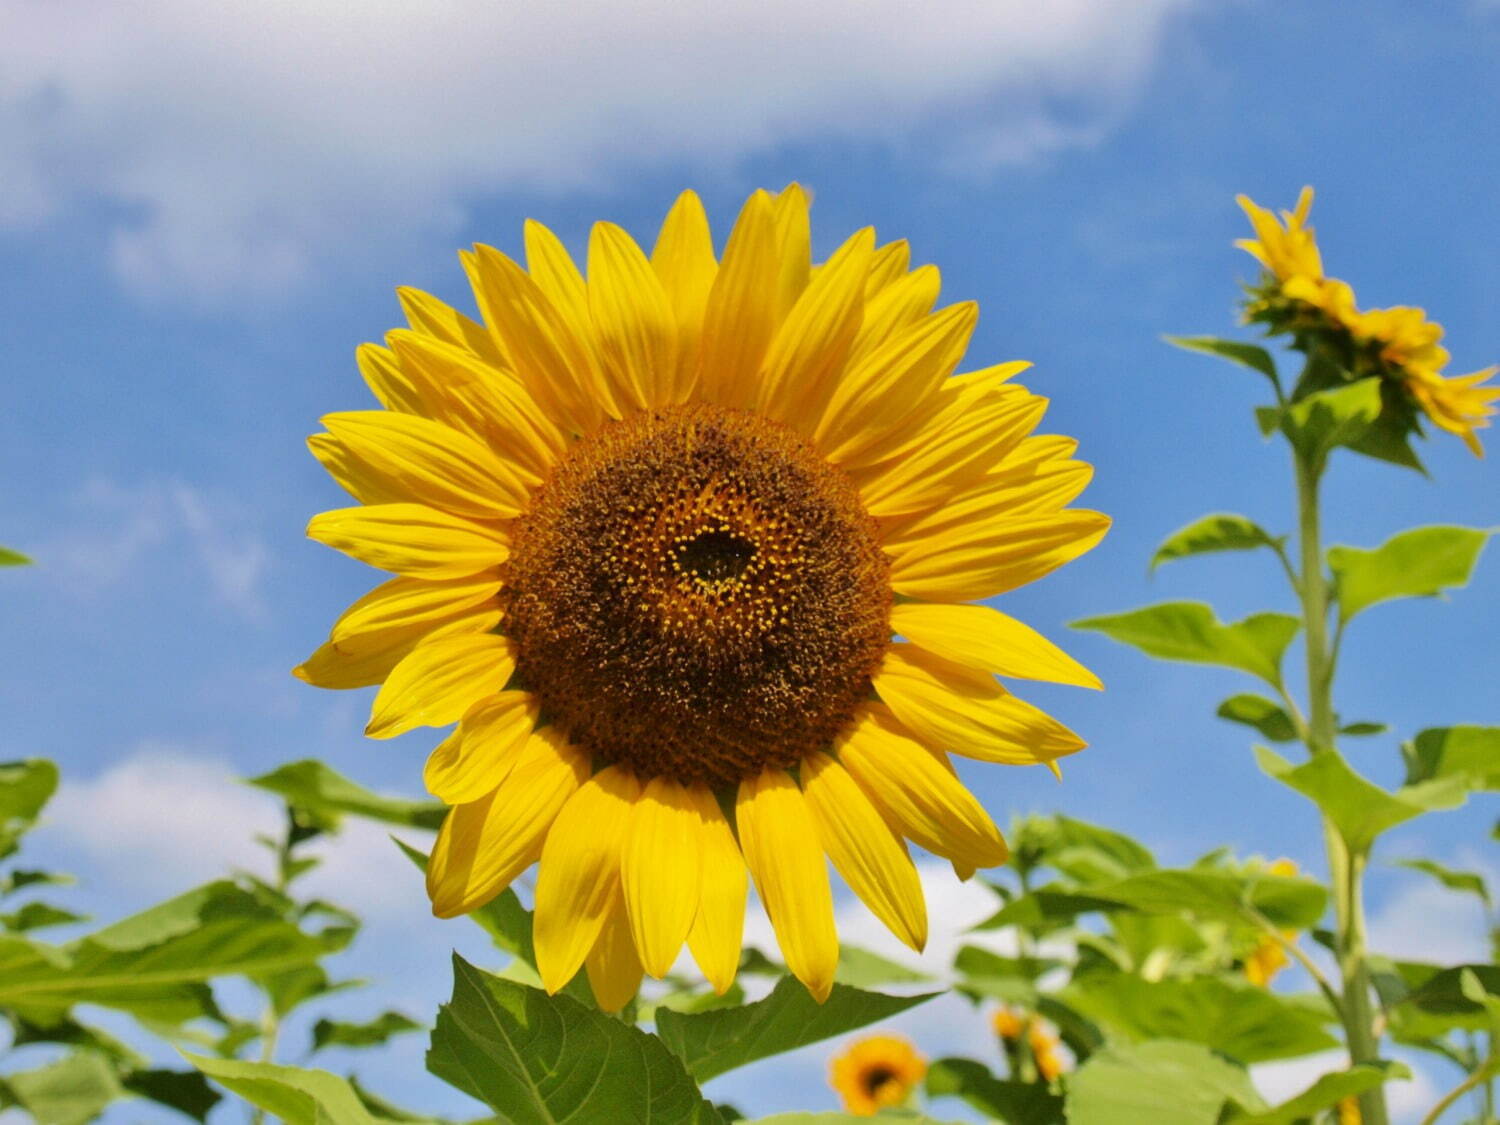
(1425, 921)
(113, 531)
(244, 145)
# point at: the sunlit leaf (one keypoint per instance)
(1323, 1094)
(1422, 562)
(1261, 713)
(860, 968)
(1221, 531)
(1473, 752)
(1320, 422)
(71, 1091)
(1359, 809)
(293, 1095)
(25, 788)
(1246, 355)
(38, 916)
(371, 1033)
(311, 784)
(548, 1059)
(711, 1043)
(1188, 631)
(1163, 1082)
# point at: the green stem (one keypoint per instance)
(1346, 868)
(1483, 1072)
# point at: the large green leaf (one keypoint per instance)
(711, 1043)
(1016, 1103)
(1245, 1023)
(371, 1033)
(295, 1096)
(1189, 631)
(1452, 751)
(312, 785)
(1359, 809)
(1246, 355)
(900, 1116)
(1323, 1094)
(537, 1059)
(1259, 712)
(71, 1091)
(1219, 531)
(1419, 563)
(156, 964)
(1162, 1082)
(862, 969)
(25, 788)
(1320, 422)
(1086, 853)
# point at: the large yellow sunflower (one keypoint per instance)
(654, 533)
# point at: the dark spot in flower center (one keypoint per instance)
(714, 556)
(876, 1078)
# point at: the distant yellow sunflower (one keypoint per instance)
(1288, 249)
(1269, 956)
(654, 535)
(876, 1073)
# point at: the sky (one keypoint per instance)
(204, 211)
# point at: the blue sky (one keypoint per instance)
(199, 223)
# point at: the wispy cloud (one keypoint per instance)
(244, 145)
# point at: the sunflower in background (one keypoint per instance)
(1399, 343)
(876, 1073)
(654, 534)
(1042, 1043)
(1269, 956)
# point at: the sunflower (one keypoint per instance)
(654, 534)
(1269, 956)
(876, 1073)
(1288, 249)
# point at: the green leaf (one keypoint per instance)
(545, 1059)
(72, 1091)
(1323, 1094)
(1162, 1082)
(17, 878)
(1083, 852)
(1324, 420)
(1246, 1023)
(904, 1116)
(1363, 728)
(155, 964)
(860, 968)
(1261, 713)
(711, 1043)
(1189, 631)
(1017, 1103)
(25, 788)
(1472, 752)
(312, 785)
(1246, 355)
(1419, 563)
(1292, 903)
(1220, 531)
(9, 557)
(371, 1033)
(38, 916)
(186, 1091)
(1466, 882)
(295, 1096)
(1358, 808)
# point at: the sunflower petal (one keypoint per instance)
(895, 307)
(888, 266)
(683, 259)
(918, 794)
(781, 846)
(387, 382)
(411, 539)
(485, 844)
(968, 563)
(613, 966)
(957, 709)
(366, 658)
(984, 638)
(867, 854)
(719, 927)
(740, 317)
(404, 602)
(632, 318)
(353, 475)
(441, 321)
(438, 681)
(478, 756)
(579, 875)
(660, 872)
(794, 245)
(555, 273)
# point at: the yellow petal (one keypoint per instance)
(432, 463)
(552, 268)
(896, 381)
(867, 854)
(740, 317)
(485, 844)
(403, 602)
(353, 475)
(633, 322)
(683, 259)
(794, 245)
(660, 868)
(781, 847)
(387, 382)
(895, 307)
(809, 349)
(438, 681)
(478, 756)
(411, 539)
(957, 709)
(917, 793)
(580, 873)
(888, 266)
(365, 658)
(441, 321)
(613, 967)
(985, 638)
(719, 927)
(973, 561)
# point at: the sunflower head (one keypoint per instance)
(654, 529)
(876, 1073)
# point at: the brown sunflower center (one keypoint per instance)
(877, 1078)
(695, 593)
